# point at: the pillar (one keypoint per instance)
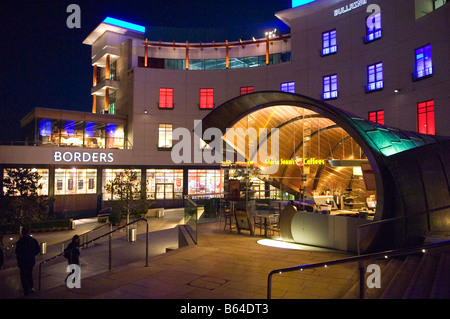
(107, 100)
(187, 55)
(94, 76)
(108, 62)
(94, 103)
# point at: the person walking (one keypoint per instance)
(72, 253)
(26, 250)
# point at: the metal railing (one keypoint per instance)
(360, 258)
(110, 246)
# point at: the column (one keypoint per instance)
(267, 50)
(94, 76)
(227, 56)
(108, 62)
(187, 55)
(94, 103)
(146, 53)
(107, 100)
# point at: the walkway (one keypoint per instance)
(223, 265)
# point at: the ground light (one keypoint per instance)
(278, 243)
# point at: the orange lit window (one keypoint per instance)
(377, 117)
(206, 98)
(425, 117)
(165, 98)
(247, 89)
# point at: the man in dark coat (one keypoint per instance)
(26, 250)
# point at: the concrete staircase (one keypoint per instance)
(417, 276)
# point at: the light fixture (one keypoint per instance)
(145, 111)
(397, 90)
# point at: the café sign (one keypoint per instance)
(296, 161)
(83, 157)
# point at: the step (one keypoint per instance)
(441, 286)
(399, 283)
(387, 273)
(423, 278)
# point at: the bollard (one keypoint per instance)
(43, 248)
(132, 235)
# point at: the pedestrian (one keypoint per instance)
(26, 250)
(72, 253)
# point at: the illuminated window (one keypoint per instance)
(72, 134)
(165, 98)
(247, 89)
(330, 89)
(373, 24)
(115, 136)
(204, 182)
(206, 98)
(329, 45)
(288, 87)
(109, 175)
(165, 184)
(425, 117)
(375, 77)
(424, 63)
(165, 136)
(377, 117)
(72, 181)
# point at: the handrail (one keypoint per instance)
(100, 237)
(384, 254)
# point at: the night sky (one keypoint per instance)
(44, 63)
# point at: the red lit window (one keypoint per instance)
(425, 117)
(377, 117)
(206, 98)
(165, 98)
(247, 89)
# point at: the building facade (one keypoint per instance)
(385, 61)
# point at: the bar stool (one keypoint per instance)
(228, 219)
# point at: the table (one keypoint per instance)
(266, 218)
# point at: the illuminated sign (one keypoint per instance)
(298, 3)
(83, 157)
(350, 7)
(124, 24)
(296, 161)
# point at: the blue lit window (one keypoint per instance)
(89, 128)
(288, 87)
(330, 88)
(373, 23)
(111, 130)
(424, 63)
(45, 128)
(69, 127)
(375, 77)
(329, 45)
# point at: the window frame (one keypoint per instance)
(247, 89)
(330, 47)
(206, 99)
(333, 94)
(427, 113)
(376, 33)
(379, 116)
(416, 62)
(165, 147)
(164, 103)
(376, 81)
(289, 85)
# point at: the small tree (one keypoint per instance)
(126, 189)
(22, 204)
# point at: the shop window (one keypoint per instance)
(425, 117)
(288, 87)
(329, 45)
(247, 89)
(377, 117)
(115, 136)
(165, 98)
(72, 133)
(165, 184)
(206, 98)
(373, 27)
(45, 131)
(204, 182)
(424, 63)
(112, 103)
(43, 181)
(109, 175)
(94, 135)
(74, 181)
(375, 77)
(165, 136)
(330, 88)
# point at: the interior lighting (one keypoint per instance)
(124, 24)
